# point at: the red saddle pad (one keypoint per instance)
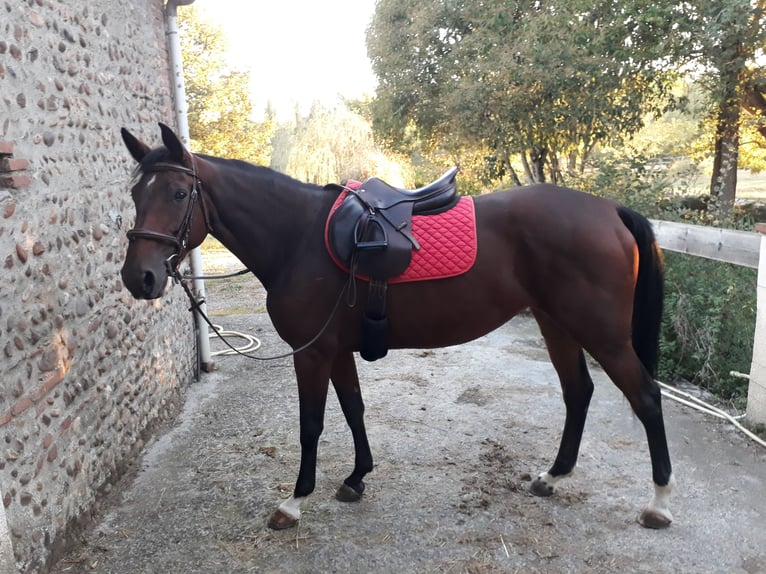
(447, 241)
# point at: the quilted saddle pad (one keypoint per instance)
(447, 240)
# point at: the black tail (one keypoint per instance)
(650, 290)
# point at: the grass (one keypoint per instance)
(212, 246)
(751, 186)
(235, 296)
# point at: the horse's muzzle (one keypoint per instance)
(144, 283)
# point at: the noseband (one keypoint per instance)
(181, 239)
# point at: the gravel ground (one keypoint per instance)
(457, 434)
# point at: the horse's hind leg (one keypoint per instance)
(643, 394)
(346, 382)
(577, 388)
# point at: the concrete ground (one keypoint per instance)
(457, 435)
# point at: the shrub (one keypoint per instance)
(708, 324)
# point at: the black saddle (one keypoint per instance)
(436, 197)
(370, 233)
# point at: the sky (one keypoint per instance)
(298, 51)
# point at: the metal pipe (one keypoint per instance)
(174, 51)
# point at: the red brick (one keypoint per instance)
(21, 405)
(6, 148)
(10, 164)
(49, 382)
(760, 227)
(15, 181)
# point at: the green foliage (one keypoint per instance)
(332, 144)
(724, 40)
(628, 181)
(551, 82)
(505, 78)
(753, 129)
(220, 106)
(708, 324)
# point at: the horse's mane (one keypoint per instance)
(248, 168)
(162, 154)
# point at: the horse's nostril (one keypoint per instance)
(148, 284)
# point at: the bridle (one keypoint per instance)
(181, 239)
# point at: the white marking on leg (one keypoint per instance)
(292, 507)
(661, 501)
(551, 481)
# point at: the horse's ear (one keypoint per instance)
(177, 150)
(137, 148)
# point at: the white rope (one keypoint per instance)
(251, 343)
(700, 405)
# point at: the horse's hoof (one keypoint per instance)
(541, 488)
(280, 520)
(652, 518)
(348, 494)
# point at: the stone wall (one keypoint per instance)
(86, 370)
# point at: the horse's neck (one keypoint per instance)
(264, 219)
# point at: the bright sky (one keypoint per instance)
(298, 51)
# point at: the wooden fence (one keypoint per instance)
(740, 248)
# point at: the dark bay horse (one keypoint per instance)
(589, 270)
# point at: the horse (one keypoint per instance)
(588, 268)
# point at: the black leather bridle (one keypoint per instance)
(180, 242)
(181, 239)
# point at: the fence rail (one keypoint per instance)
(728, 245)
(743, 248)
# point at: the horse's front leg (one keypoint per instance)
(313, 374)
(346, 382)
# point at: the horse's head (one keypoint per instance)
(170, 213)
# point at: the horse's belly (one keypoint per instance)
(439, 315)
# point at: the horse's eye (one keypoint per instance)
(180, 194)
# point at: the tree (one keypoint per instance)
(332, 144)
(754, 122)
(545, 80)
(724, 39)
(220, 107)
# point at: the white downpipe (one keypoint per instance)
(174, 49)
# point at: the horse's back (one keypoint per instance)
(554, 249)
(547, 204)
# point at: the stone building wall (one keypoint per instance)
(84, 369)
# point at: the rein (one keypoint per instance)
(244, 271)
(197, 304)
